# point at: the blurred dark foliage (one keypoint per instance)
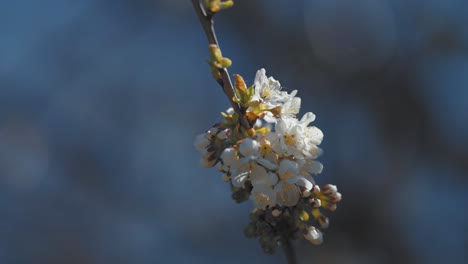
(100, 101)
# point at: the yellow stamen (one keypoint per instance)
(286, 176)
(262, 199)
(289, 139)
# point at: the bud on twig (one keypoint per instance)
(215, 6)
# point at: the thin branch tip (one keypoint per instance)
(206, 20)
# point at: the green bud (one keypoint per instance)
(225, 62)
(215, 52)
(215, 72)
(215, 6)
(243, 94)
(216, 60)
(304, 216)
(227, 4)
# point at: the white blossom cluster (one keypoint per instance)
(277, 158)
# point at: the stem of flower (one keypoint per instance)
(288, 249)
(206, 20)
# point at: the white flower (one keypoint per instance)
(287, 194)
(288, 170)
(287, 137)
(260, 176)
(263, 196)
(294, 137)
(267, 90)
(249, 148)
(288, 191)
(310, 166)
(313, 136)
(290, 180)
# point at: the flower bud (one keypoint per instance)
(304, 216)
(316, 203)
(225, 63)
(276, 212)
(226, 178)
(314, 235)
(212, 132)
(329, 188)
(205, 163)
(226, 4)
(215, 52)
(201, 142)
(335, 197)
(330, 206)
(306, 193)
(224, 134)
(323, 221)
(248, 147)
(316, 189)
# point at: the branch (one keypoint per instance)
(288, 249)
(206, 20)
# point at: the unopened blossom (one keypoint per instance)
(314, 235)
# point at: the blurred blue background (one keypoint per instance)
(100, 102)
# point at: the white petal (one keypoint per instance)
(248, 147)
(238, 179)
(258, 175)
(315, 168)
(293, 179)
(287, 194)
(308, 118)
(269, 118)
(263, 196)
(275, 85)
(315, 151)
(291, 107)
(260, 80)
(305, 183)
(288, 167)
(315, 135)
(229, 156)
(201, 142)
(281, 126)
(267, 164)
(272, 178)
(293, 93)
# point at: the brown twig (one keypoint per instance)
(206, 20)
(288, 249)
